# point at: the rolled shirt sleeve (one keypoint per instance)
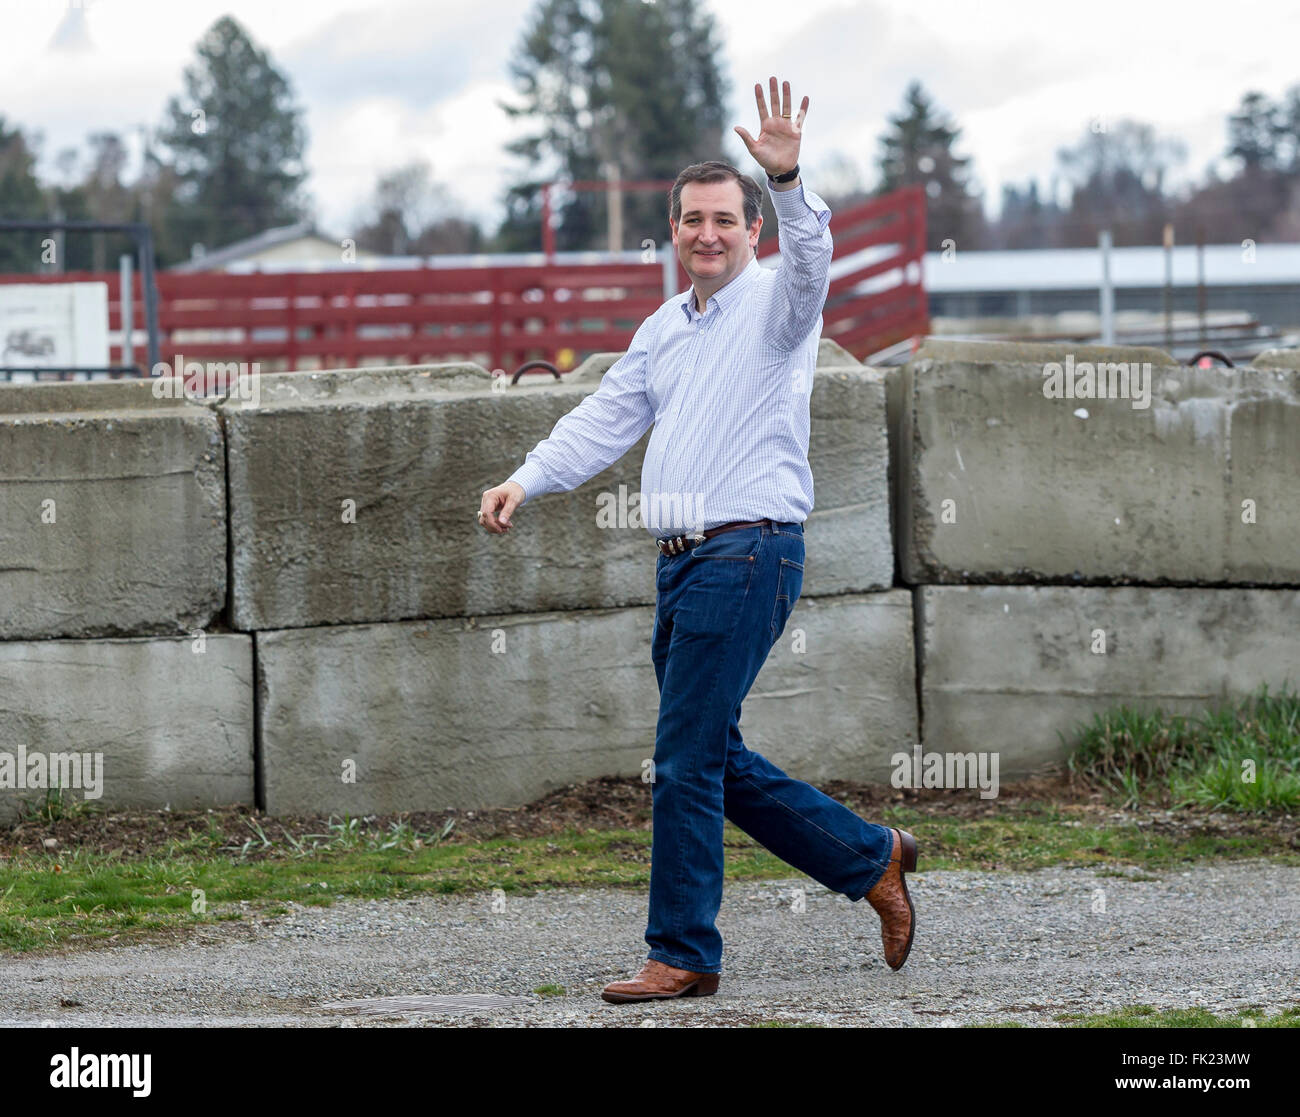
(596, 433)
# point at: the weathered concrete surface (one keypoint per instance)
(1277, 358)
(112, 511)
(174, 725)
(433, 717)
(831, 354)
(1005, 668)
(378, 383)
(1096, 490)
(592, 370)
(415, 459)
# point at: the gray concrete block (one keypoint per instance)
(172, 724)
(847, 538)
(432, 717)
(1007, 668)
(415, 459)
(831, 354)
(359, 385)
(1095, 490)
(1277, 358)
(112, 511)
(593, 369)
(947, 349)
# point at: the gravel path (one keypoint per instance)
(990, 946)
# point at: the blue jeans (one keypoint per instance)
(718, 610)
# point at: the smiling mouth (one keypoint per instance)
(714, 253)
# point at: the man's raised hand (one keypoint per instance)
(777, 148)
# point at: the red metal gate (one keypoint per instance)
(501, 316)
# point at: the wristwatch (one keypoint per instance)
(789, 175)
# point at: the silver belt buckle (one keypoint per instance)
(676, 544)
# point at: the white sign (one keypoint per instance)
(53, 325)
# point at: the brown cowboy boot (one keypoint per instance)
(892, 903)
(657, 982)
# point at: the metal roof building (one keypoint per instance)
(1263, 280)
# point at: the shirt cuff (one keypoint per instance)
(792, 204)
(531, 478)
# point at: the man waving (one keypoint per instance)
(724, 372)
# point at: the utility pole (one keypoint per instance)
(614, 196)
(1107, 290)
(1169, 287)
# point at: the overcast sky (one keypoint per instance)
(386, 81)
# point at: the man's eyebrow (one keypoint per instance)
(716, 213)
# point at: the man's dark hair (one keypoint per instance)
(716, 171)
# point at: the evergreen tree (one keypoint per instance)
(99, 194)
(621, 82)
(919, 150)
(21, 198)
(235, 141)
(1253, 133)
(1026, 221)
(1287, 133)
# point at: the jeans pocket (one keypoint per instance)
(789, 584)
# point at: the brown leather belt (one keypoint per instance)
(676, 544)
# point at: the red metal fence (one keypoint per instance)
(500, 316)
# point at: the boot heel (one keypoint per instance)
(705, 987)
(908, 852)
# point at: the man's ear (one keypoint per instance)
(754, 230)
(673, 226)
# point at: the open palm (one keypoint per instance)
(777, 148)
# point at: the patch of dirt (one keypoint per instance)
(609, 803)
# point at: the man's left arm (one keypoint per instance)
(803, 278)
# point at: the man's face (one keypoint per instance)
(711, 239)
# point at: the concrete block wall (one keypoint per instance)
(161, 721)
(501, 709)
(1001, 483)
(353, 500)
(1044, 536)
(970, 537)
(112, 511)
(1015, 668)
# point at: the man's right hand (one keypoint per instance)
(497, 504)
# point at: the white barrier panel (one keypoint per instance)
(63, 325)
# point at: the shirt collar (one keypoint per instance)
(724, 296)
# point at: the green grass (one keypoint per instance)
(1144, 1016)
(57, 897)
(1243, 757)
(54, 805)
